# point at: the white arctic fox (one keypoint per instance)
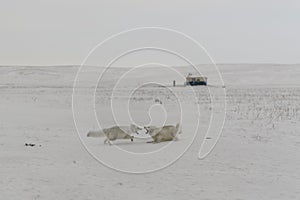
(116, 132)
(162, 134)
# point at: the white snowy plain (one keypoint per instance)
(256, 157)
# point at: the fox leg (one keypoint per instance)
(107, 141)
(154, 141)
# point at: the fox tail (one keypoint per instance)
(95, 134)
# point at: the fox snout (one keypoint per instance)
(131, 138)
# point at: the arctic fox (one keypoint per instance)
(162, 134)
(116, 132)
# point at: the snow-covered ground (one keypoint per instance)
(257, 156)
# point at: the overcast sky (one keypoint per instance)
(52, 32)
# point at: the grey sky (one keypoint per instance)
(35, 32)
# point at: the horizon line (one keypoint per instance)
(78, 65)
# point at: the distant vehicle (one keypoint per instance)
(196, 80)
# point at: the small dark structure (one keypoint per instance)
(196, 80)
